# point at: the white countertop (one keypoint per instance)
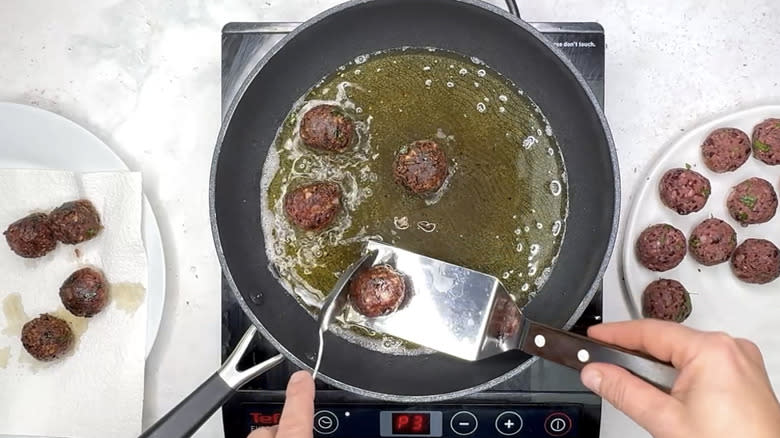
(144, 76)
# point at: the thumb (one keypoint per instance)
(298, 413)
(647, 405)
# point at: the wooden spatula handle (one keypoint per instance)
(576, 351)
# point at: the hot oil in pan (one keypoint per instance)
(501, 211)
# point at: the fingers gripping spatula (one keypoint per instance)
(470, 315)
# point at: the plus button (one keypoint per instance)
(509, 423)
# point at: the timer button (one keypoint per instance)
(463, 423)
(325, 422)
(509, 423)
(557, 424)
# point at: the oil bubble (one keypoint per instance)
(450, 84)
(534, 249)
(505, 275)
(476, 84)
(555, 188)
(481, 107)
(539, 225)
(502, 98)
(481, 73)
(427, 68)
(361, 59)
(556, 228)
(486, 99)
(476, 60)
(401, 223)
(532, 268)
(550, 152)
(519, 247)
(525, 287)
(518, 231)
(359, 110)
(357, 72)
(548, 130)
(426, 226)
(501, 109)
(463, 72)
(526, 228)
(428, 82)
(529, 141)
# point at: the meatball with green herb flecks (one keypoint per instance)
(684, 191)
(766, 141)
(756, 261)
(725, 149)
(421, 167)
(712, 242)
(47, 337)
(752, 201)
(666, 299)
(661, 247)
(31, 236)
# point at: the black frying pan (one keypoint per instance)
(311, 52)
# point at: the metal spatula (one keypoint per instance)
(469, 315)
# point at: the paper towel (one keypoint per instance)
(97, 391)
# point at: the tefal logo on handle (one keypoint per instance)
(265, 420)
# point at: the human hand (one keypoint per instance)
(722, 387)
(297, 418)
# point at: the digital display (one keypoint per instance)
(410, 423)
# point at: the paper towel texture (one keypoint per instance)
(97, 390)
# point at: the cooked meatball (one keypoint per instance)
(725, 149)
(313, 207)
(684, 190)
(377, 291)
(75, 222)
(756, 261)
(85, 292)
(666, 299)
(31, 236)
(766, 141)
(660, 247)
(712, 242)
(752, 201)
(326, 128)
(47, 337)
(421, 167)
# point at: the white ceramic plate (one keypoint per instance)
(31, 138)
(720, 301)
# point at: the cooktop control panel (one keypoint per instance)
(441, 421)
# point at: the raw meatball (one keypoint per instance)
(712, 242)
(725, 149)
(313, 207)
(766, 141)
(31, 236)
(377, 291)
(752, 201)
(326, 128)
(756, 261)
(46, 337)
(421, 167)
(660, 247)
(75, 222)
(684, 190)
(666, 299)
(85, 292)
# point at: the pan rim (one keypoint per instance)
(594, 286)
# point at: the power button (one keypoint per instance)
(325, 422)
(557, 424)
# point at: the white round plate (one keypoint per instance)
(720, 301)
(31, 138)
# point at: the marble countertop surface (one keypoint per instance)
(144, 76)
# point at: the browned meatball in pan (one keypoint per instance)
(313, 207)
(75, 222)
(326, 128)
(47, 337)
(377, 291)
(85, 292)
(421, 167)
(31, 236)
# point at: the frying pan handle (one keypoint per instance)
(576, 351)
(512, 6)
(193, 411)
